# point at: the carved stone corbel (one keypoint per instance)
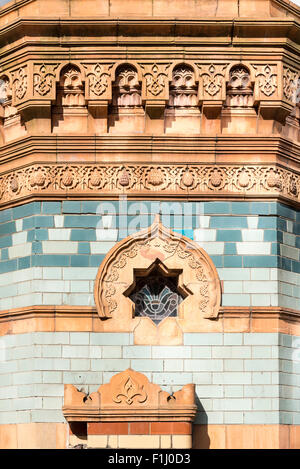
(155, 94)
(98, 94)
(272, 95)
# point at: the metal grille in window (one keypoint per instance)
(156, 297)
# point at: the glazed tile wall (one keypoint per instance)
(240, 378)
(254, 245)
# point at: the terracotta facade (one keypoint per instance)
(140, 140)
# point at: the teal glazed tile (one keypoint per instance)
(233, 261)
(228, 222)
(51, 208)
(229, 235)
(211, 208)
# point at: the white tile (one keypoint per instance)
(252, 235)
(60, 247)
(19, 238)
(101, 247)
(212, 248)
(205, 235)
(59, 234)
(204, 221)
(252, 222)
(20, 250)
(59, 221)
(253, 249)
(106, 235)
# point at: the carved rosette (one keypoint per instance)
(188, 179)
(216, 179)
(155, 178)
(68, 177)
(274, 179)
(244, 179)
(39, 178)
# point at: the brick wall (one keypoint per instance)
(250, 378)
(50, 251)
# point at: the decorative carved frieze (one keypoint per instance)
(20, 83)
(44, 79)
(183, 88)
(143, 179)
(126, 89)
(290, 84)
(267, 79)
(212, 83)
(129, 397)
(239, 93)
(98, 80)
(156, 80)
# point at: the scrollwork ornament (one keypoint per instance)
(99, 78)
(290, 80)
(267, 79)
(156, 78)
(131, 391)
(43, 79)
(20, 81)
(213, 78)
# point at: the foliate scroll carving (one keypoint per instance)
(173, 253)
(183, 88)
(20, 83)
(43, 79)
(141, 179)
(99, 80)
(267, 79)
(239, 91)
(156, 79)
(212, 80)
(129, 392)
(290, 84)
(126, 89)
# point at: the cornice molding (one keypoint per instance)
(79, 318)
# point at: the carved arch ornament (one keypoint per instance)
(40, 79)
(175, 253)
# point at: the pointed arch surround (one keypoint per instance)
(176, 256)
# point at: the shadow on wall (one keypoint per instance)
(200, 435)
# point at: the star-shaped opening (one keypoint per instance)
(156, 292)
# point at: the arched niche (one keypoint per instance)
(178, 261)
